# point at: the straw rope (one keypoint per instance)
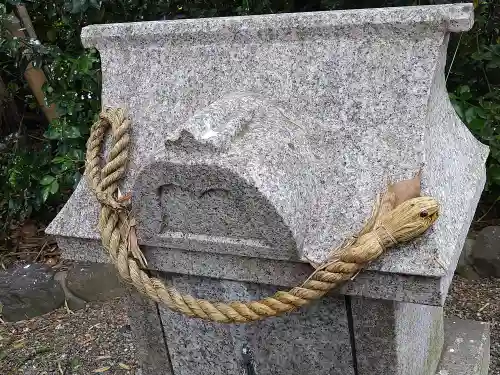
(403, 223)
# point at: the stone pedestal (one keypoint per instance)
(259, 144)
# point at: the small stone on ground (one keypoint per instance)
(85, 280)
(27, 291)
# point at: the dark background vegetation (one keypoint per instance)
(41, 162)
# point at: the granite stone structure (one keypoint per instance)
(260, 143)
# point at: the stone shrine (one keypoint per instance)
(259, 143)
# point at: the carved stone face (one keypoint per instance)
(215, 212)
(207, 208)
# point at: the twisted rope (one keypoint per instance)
(117, 228)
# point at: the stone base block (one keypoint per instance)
(466, 348)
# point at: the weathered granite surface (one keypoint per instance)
(292, 123)
(467, 348)
(396, 338)
(148, 333)
(313, 340)
(370, 284)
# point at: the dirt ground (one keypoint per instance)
(478, 300)
(97, 340)
(90, 341)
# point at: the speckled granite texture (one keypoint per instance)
(275, 346)
(261, 142)
(149, 341)
(396, 338)
(269, 136)
(466, 349)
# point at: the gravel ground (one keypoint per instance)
(478, 300)
(98, 340)
(90, 341)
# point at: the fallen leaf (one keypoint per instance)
(482, 308)
(406, 189)
(75, 364)
(98, 325)
(43, 349)
(125, 198)
(100, 358)
(101, 369)
(18, 345)
(134, 246)
(124, 366)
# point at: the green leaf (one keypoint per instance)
(463, 89)
(77, 154)
(470, 114)
(52, 134)
(13, 87)
(45, 193)
(47, 180)
(492, 65)
(476, 125)
(54, 187)
(458, 109)
(465, 96)
(59, 159)
(481, 112)
(495, 153)
(76, 6)
(95, 4)
(72, 132)
(494, 173)
(66, 165)
(52, 35)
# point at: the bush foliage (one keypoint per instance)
(41, 162)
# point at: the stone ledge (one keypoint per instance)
(370, 284)
(263, 28)
(466, 349)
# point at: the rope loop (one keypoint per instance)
(387, 227)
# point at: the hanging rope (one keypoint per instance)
(386, 229)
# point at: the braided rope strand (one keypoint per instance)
(117, 229)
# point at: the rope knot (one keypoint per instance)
(107, 199)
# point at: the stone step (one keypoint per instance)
(466, 349)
